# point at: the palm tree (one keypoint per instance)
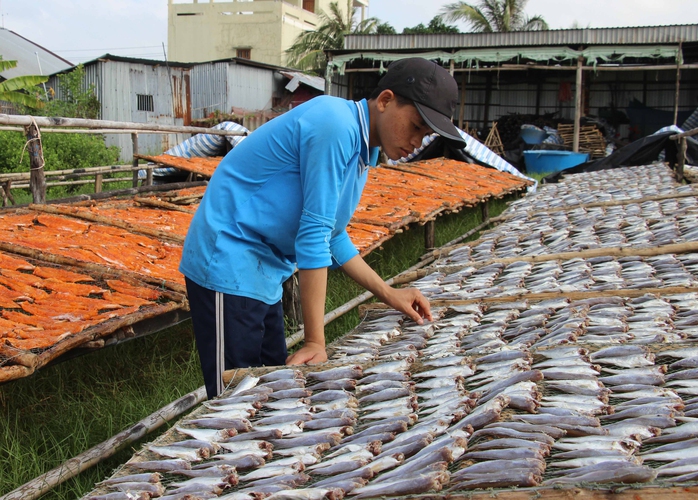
(490, 16)
(308, 51)
(20, 89)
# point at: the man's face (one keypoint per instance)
(400, 128)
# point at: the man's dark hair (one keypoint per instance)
(402, 101)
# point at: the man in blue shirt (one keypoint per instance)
(282, 199)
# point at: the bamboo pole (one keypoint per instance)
(107, 169)
(461, 108)
(577, 104)
(130, 192)
(597, 492)
(684, 134)
(682, 159)
(103, 329)
(678, 84)
(43, 121)
(134, 151)
(153, 202)
(44, 483)
(674, 248)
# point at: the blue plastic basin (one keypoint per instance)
(549, 162)
(533, 135)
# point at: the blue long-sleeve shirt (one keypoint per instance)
(282, 198)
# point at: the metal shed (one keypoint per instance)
(141, 91)
(650, 72)
(234, 83)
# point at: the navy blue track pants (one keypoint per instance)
(234, 332)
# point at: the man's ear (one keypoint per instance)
(385, 98)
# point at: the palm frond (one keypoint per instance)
(535, 23)
(473, 16)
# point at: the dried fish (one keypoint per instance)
(626, 474)
(354, 372)
(161, 465)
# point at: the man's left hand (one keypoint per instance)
(311, 353)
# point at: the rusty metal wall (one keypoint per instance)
(222, 86)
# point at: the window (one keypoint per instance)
(244, 53)
(309, 5)
(145, 102)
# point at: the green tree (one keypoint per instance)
(436, 25)
(490, 16)
(308, 51)
(385, 29)
(74, 99)
(21, 89)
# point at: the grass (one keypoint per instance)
(66, 408)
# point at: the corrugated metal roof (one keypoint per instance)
(14, 47)
(587, 36)
(297, 78)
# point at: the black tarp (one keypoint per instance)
(641, 152)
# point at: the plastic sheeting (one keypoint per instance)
(201, 145)
(641, 152)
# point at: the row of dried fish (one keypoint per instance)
(618, 184)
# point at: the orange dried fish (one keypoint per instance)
(135, 291)
(19, 276)
(29, 291)
(61, 274)
(126, 300)
(58, 313)
(72, 288)
(14, 263)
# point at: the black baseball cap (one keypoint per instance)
(432, 89)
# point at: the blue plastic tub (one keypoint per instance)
(549, 162)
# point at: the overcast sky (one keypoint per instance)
(80, 30)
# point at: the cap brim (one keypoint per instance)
(441, 124)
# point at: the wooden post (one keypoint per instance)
(681, 161)
(678, 81)
(430, 235)
(291, 300)
(37, 179)
(488, 97)
(452, 67)
(539, 89)
(134, 141)
(461, 112)
(149, 175)
(485, 210)
(98, 183)
(577, 105)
